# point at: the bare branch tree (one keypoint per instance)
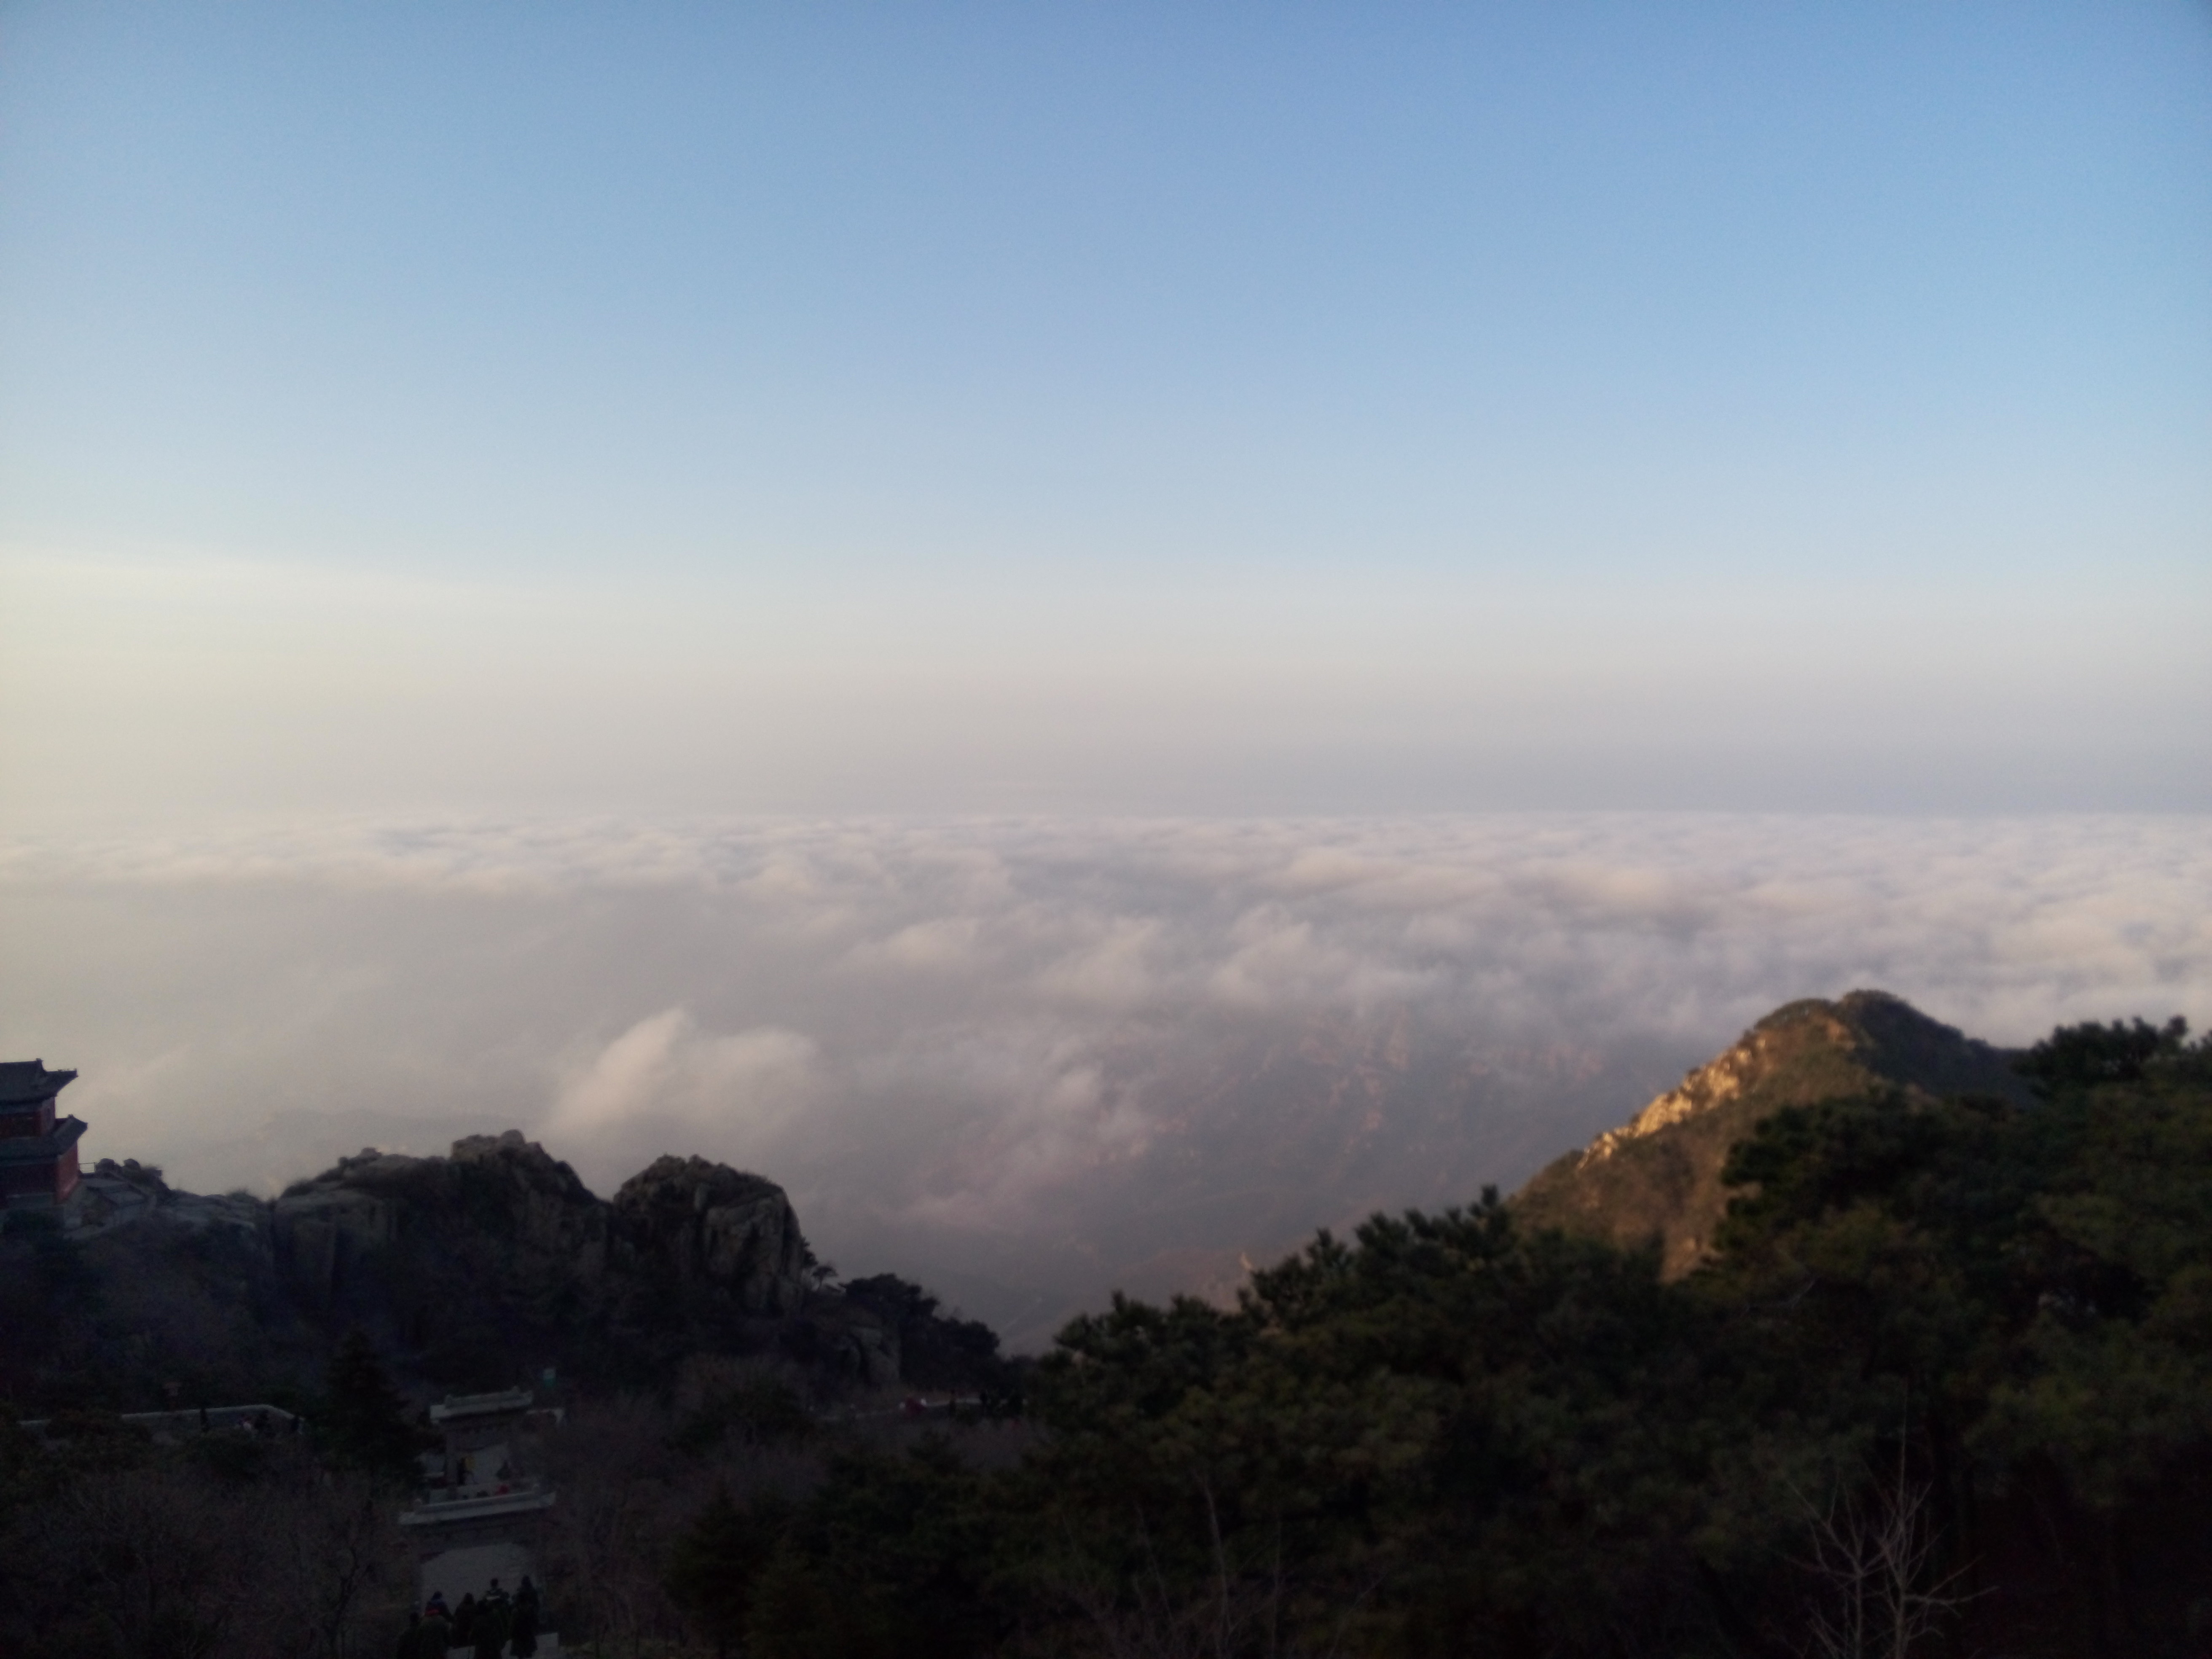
(1877, 1558)
(338, 1567)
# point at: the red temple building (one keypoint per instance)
(38, 1151)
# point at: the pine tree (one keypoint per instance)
(712, 1569)
(368, 1420)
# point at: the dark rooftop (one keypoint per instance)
(26, 1080)
(41, 1149)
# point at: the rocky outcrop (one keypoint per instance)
(845, 1339)
(113, 1196)
(489, 1264)
(548, 1228)
(499, 1247)
(707, 1223)
(321, 1231)
(1658, 1176)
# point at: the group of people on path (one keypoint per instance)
(497, 1625)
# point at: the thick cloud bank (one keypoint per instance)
(1030, 1060)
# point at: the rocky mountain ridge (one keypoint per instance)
(1658, 1176)
(700, 1227)
(496, 1259)
(490, 1264)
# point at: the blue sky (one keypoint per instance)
(1190, 408)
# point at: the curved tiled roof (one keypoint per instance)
(23, 1082)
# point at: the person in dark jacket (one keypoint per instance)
(488, 1638)
(522, 1631)
(464, 1621)
(437, 1629)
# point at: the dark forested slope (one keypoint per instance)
(1938, 1382)
(1942, 1386)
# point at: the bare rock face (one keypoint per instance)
(850, 1341)
(113, 1196)
(499, 1247)
(709, 1225)
(492, 1262)
(497, 1257)
(322, 1231)
(1658, 1176)
(545, 1210)
(540, 1220)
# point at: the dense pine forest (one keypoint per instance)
(1942, 1385)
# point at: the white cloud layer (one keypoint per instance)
(1028, 1059)
(665, 1070)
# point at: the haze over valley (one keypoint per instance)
(1030, 1061)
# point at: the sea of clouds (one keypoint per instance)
(968, 1047)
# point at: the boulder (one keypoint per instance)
(499, 1203)
(321, 1232)
(708, 1224)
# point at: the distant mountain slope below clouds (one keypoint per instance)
(1250, 1142)
(1659, 1174)
(1335, 1116)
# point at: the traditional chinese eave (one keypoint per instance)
(47, 1148)
(25, 1083)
